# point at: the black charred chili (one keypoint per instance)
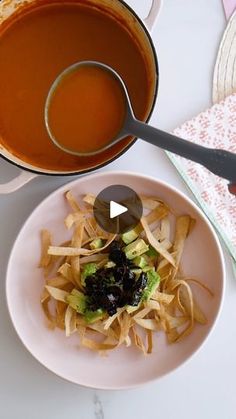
(110, 288)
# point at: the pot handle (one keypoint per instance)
(153, 14)
(17, 183)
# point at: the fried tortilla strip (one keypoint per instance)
(191, 226)
(70, 321)
(149, 203)
(174, 322)
(51, 320)
(111, 319)
(96, 346)
(149, 324)
(72, 201)
(141, 314)
(45, 296)
(73, 218)
(57, 282)
(76, 207)
(81, 331)
(175, 284)
(138, 341)
(154, 243)
(181, 233)
(128, 341)
(68, 251)
(165, 272)
(89, 228)
(46, 241)
(157, 214)
(125, 323)
(65, 270)
(157, 233)
(165, 229)
(81, 322)
(179, 304)
(172, 335)
(200, 284)
(197, 312)
(186, 332)
(162, 264)
(149, 341)
(57, 294)
(166, 244)
(60, 314)
(161, 324)
(99, 327)
(93, 258)
(153, 305)
(49, 270)
(56, 262)
(189, 296)
(111, 341)
(132, 309)
(74, 251)
(163, 298)
(89, 199)
(76, 240)
(75, 262)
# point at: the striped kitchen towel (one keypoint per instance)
(215, 128)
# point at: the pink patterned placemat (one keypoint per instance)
(216, 128)
(229, 6)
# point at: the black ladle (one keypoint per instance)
(220, 162)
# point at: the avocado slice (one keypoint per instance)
(131, 235)
(140, 261)
(89, 269)
(148, 268)
(152, 284)
(152, 253)
(96, 244)
(77, 300)
(93, 316)
(136, 248)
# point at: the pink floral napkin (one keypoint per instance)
(230, 6)
(216, 128)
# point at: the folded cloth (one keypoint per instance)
(224, 80)
(230, 6)
(214, 128)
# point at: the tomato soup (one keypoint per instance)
(36, 44)
(87, 109)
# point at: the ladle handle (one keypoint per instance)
(219, 162)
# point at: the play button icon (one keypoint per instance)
(117, 209)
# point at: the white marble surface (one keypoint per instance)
(186, 37)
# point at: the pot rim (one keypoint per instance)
(47, 172)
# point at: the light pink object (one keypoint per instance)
(125, 367)
(230, 6)
(216, 128)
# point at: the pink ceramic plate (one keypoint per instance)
(125, 367)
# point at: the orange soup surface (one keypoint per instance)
(36, 44)
(87, 109)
